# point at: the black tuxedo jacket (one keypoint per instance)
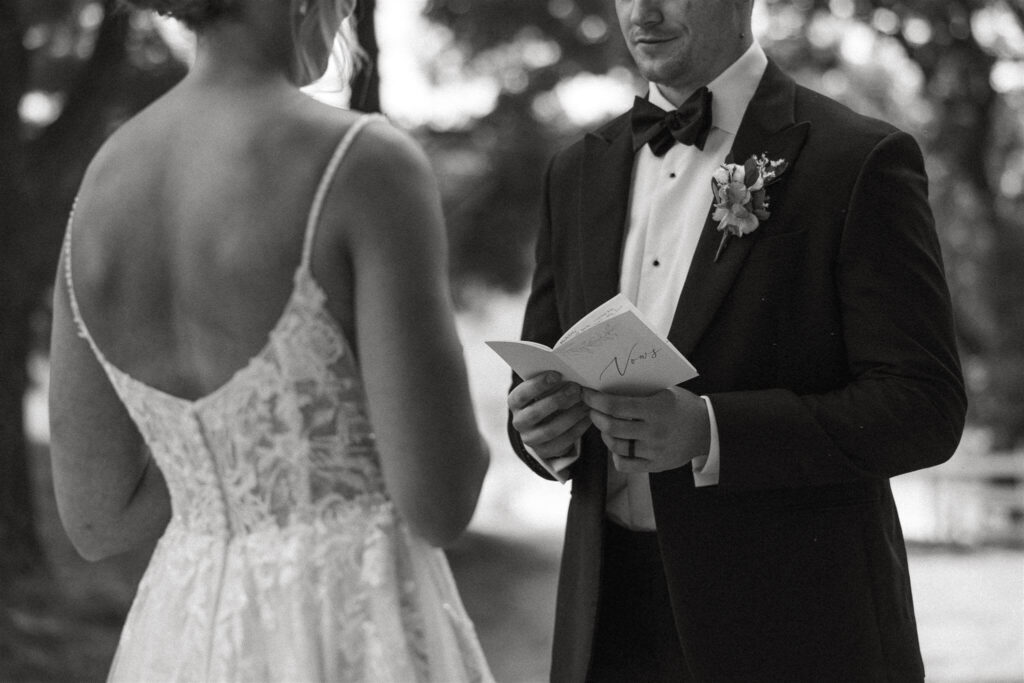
(825, 342)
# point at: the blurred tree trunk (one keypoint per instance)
(21, 549)
(366, 84)
(38, 180)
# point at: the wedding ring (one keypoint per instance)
(632, 448)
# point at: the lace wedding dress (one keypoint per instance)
(285, 559)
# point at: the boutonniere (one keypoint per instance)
(740, 199)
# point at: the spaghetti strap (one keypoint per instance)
(325, 184)
(76, 313)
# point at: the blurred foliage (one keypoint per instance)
(71, 71)
(493, 169)
(950, 72)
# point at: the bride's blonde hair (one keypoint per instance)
(319, 25)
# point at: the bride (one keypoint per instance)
(254, 360)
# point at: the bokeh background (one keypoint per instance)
(492, 88)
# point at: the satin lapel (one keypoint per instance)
(767, 127)
(604, 198)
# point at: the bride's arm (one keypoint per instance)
(110, 494)
(433, 456)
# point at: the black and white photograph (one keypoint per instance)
(469, 341)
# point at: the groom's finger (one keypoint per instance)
(538, 434)
(560, 445)
(627, 455)
(622, 407)
(528, 391)
(565, 397)
(614, 427)
(635, 465)
(621, 447)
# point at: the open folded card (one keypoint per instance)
(611, 349)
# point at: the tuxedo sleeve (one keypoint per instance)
(540, 321)
(903, 407)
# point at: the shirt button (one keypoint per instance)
(657, 263)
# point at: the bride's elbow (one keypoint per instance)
(99, 534)
(93, 553)
(438, 535)
(442, 513)
(443, 523)
(90, 533)
(93, 545)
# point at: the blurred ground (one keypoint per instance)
(64, 626)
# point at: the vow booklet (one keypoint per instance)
(611, 349)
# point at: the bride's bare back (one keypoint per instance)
(183, 275)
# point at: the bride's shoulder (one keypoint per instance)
(119, 169)
(383, 153)
(379, 149)
(384, 185)
(380, 160)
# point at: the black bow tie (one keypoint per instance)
(690, 124)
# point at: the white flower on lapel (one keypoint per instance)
(740, 199)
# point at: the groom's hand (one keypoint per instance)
(549, 414)
(668, 429)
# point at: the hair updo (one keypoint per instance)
(193, 13)
(317, 26)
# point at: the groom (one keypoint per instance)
(740, 527)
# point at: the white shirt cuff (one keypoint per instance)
(705, 468)
(556, 466)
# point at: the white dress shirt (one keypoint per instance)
(669, 203)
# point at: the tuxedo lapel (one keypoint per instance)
(767, 128)
(604, 198)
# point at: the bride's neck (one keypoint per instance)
(245, 52)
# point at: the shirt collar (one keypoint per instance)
(732, 89)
